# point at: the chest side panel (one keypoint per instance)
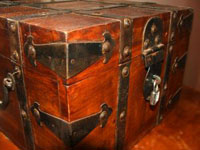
(90, 30)
(177, 54)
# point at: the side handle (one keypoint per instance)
(8, 85)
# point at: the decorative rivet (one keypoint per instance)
(165, 86)
(157, 39)
(72, 61)
(170, 48)
(15, 55)
(24, 114)
(13, 27)
(18, 71)
(172, 36)
(125, 72)
(122, 116)
(153, 28)
(174, 15)
(127, 22)
(127, 51)
(146, 43)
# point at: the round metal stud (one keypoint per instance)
(165, 86)
(172, 36)
(127, 22)
(127, 51)
(24, 114)
(153, 28)
(146, 43)
(13, 27)
(72, 61)
(170, 48)
(125, 72)
(157, 39)
(18, 72)
(15, 55)
(174, 15)
(122, 116)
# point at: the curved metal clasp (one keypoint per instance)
(71, 133)
(8, 85)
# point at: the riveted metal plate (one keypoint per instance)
(15, 54)
(67, 59)
(126, 40)
(82, 55)
(122, 104)
(13, 28)
(71, 133)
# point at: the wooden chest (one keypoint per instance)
(88, 74)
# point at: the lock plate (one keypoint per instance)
(153, 56)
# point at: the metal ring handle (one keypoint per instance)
(8, 85)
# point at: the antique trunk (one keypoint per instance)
(88, 74)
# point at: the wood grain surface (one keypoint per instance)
(180, 129)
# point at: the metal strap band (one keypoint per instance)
(16, 59)
(124, 67)
(122, 105)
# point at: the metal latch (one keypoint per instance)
(8, 85)
(71, 133)
(179, 62)
(153, 56)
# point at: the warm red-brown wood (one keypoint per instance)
(180, 48)
(5, 143)
(176, 132)
(53, 98)
(81, 95)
